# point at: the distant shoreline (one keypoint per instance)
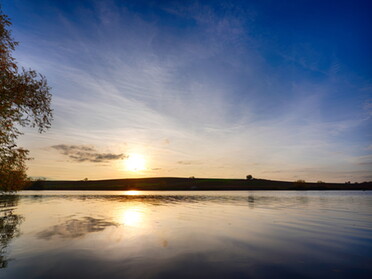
(184, 184)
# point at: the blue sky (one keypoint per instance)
(276, 89)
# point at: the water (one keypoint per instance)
(242, 234)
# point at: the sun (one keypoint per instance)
(135, 163)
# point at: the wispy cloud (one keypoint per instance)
(368, 107)
(126, 80)
(81, 153)
(190, 162)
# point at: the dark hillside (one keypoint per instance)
(172, 183)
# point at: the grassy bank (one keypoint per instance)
(172, 183)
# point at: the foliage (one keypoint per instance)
(24, 101)
(300, 182)
(249, 177)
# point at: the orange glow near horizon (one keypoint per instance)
(131, 193)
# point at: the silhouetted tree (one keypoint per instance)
(24, 101)
(300, 182)
(249, 177)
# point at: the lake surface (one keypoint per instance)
(197, 234)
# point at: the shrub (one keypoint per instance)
(300, 182)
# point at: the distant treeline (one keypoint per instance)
(172, 183)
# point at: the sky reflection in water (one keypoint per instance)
(186, 234)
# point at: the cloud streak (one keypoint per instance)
(215, 88)
(189, 162)
(82, 153)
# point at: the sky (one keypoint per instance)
(277, 89)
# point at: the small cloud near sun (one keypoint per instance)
(84, 153)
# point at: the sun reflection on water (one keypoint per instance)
(132, 217)
(131, 193)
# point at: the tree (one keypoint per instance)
(24, 101)
(300, 183)
(249, 177)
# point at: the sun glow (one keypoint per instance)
(132, 217)
(135, 163)
(131, 193)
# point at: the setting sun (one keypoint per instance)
(135, 162)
